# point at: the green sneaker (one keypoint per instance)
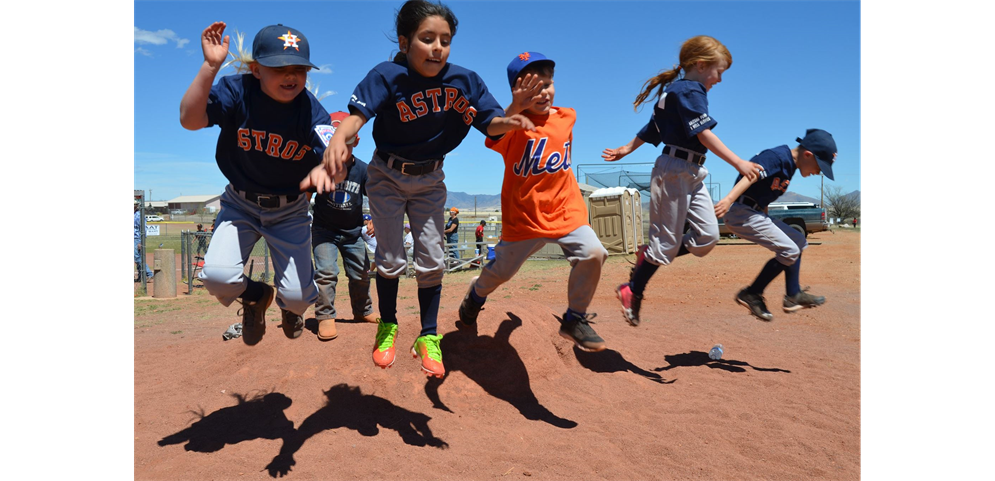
(383, 347)
(427, 348)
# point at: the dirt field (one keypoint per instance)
(519, 402)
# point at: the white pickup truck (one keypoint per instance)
(805, 217)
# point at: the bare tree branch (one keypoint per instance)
(840, 205)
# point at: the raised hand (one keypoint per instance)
(526, 91)
(214, 45)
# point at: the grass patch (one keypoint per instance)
(149, 308)
(175, 332)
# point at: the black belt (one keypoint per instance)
(684, 154)
(749, 202)
(268, 200)
(410, 167)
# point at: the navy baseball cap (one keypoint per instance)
(523, 59)
(280, 46)
(820, 143)
(367, 217)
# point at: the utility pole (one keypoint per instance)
(822, 187)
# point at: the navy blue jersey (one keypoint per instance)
(778, 166)
(420, 118)
(679, 116)
(265, 146)
(342, 209)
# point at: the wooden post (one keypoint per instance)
(164, 268)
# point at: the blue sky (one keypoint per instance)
(796, 65)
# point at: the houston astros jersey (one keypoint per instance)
(779, 167)
(540, 196)
(420, 118)
(342, 209)
(679, 116)
(265, 146)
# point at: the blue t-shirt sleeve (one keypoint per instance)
(649, 133)
(221, 100)
(488, 107)
(692, 107)
(370, 95)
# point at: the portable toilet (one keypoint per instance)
(616, 217)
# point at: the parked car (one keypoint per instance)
(177, 212)
(153, 218)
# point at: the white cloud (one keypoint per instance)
(159, 37)
(143, 51)
(323, 70)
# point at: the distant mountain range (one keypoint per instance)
(465, 202)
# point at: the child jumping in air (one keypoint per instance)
(423, 108)
(681, 122)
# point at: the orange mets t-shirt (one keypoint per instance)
(540, 196)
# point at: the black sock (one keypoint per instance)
(792, 284)
(641, 276)
(767, 274)
(253, 291)
(387, 294)
(683, 250)
(428, 303)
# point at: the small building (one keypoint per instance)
(192, 204)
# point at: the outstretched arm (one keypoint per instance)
(611, 155)
(338, 152)
(503, 125)
(193, 106)
(712, 143)
(722, 206)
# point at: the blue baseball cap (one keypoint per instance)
(521, 61)
(820, 143)
(280, 46)
(367, 217)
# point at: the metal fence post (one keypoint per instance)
(183, 254)
(265, 261)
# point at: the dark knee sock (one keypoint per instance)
(476, 297)
(253, 291)
(428, 303)
(387, 294)
(641, 276)
(767, 274)
(683, 250)
(792, 284)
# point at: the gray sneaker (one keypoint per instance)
(755, 304)
(577, 329)
(254, 316)
(293, 325)
(802, 300)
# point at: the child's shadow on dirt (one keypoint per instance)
(348, 407)
(496, 366)
(611, 361)
(698, 358)
(259, 417)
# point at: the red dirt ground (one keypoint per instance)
(519, 402)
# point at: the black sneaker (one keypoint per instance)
(293, 325)
(254, 316)
(469, 309)
(577, 329)
(755, 303)
(802, 300)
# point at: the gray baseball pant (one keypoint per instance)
(423, 198)
(287, 230)
(773, 234)
(581, 247)
(678, 194)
